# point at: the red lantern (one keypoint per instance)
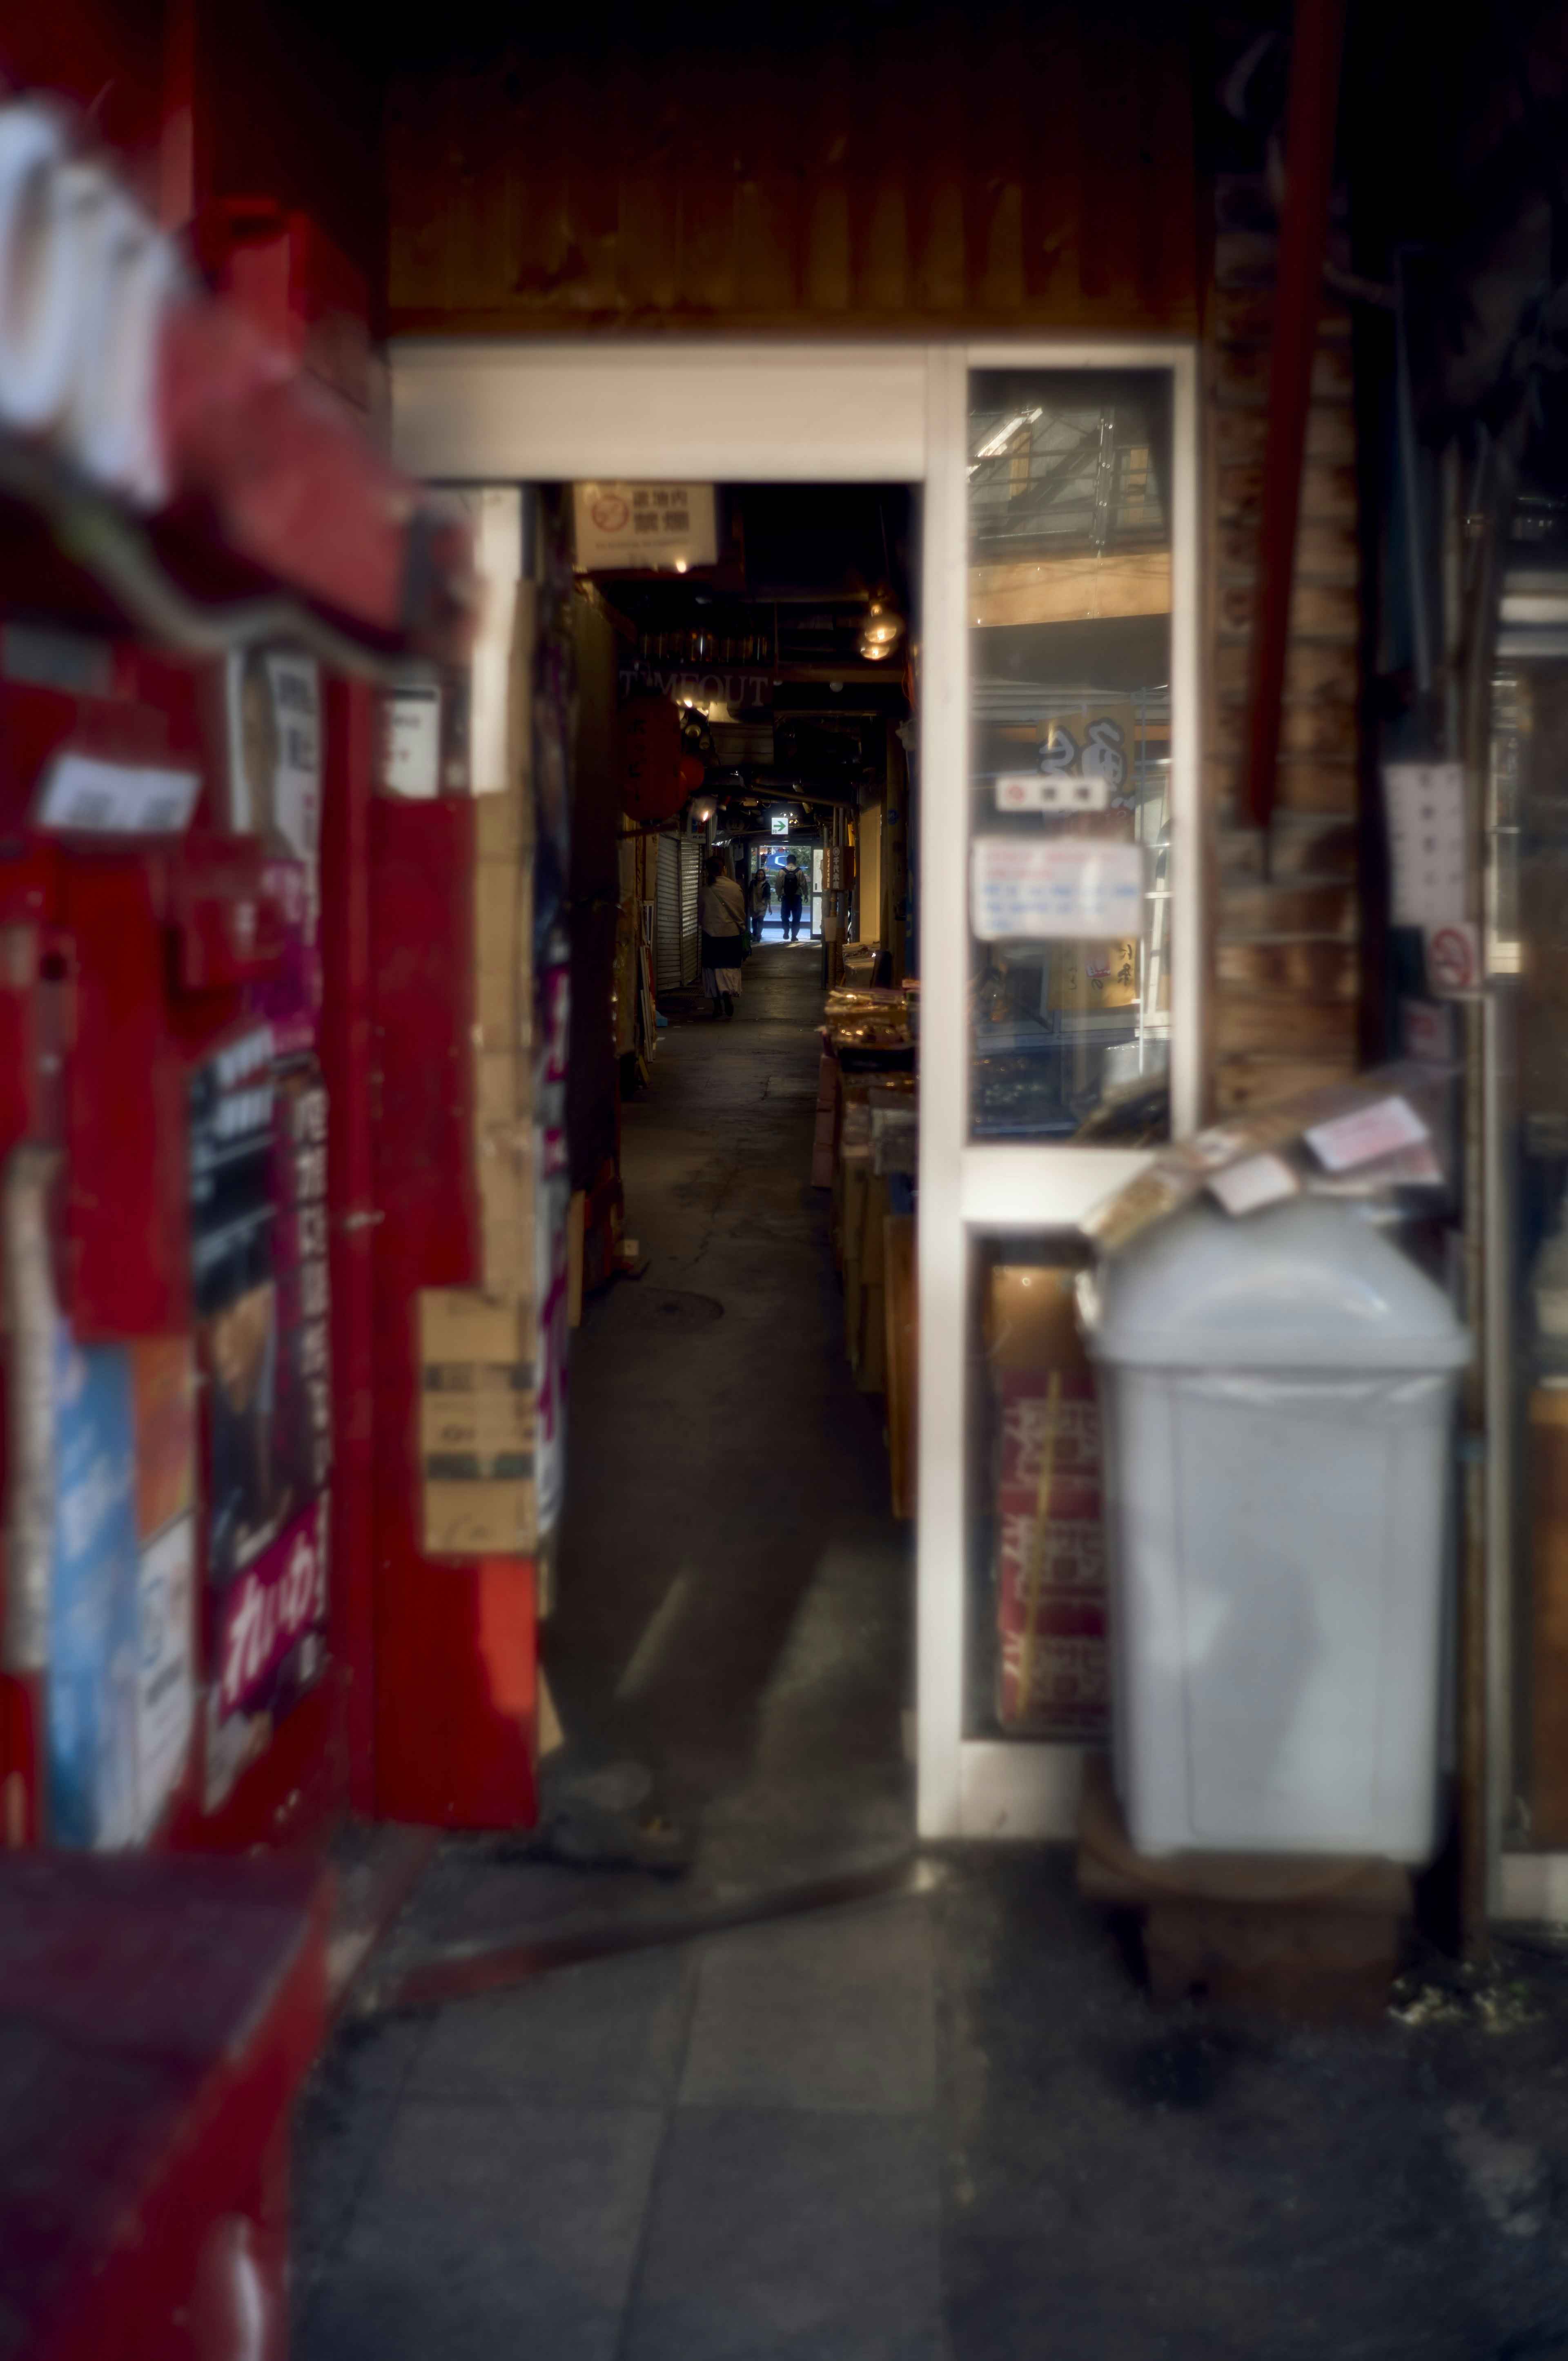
(653, 772)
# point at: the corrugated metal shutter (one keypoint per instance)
(691, 873)
(667, 915)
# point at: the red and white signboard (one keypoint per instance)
(670, 526)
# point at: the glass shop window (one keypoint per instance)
(1069, 591)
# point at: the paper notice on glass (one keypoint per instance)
(1426, 840)
(637, 525)
(1348, 1140)
(1064, 890)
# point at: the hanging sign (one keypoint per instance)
(639, 526)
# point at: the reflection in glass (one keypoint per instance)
(1068, 583)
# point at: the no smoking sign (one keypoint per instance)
(1453, 960)
(610, 513)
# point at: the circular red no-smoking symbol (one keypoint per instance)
(1450, 960)
(610, 513)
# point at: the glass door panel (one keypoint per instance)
(1068, 623)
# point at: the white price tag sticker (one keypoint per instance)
(1062, 890)
(84, 795)
(1258, 1180)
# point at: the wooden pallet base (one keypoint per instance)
(1311, 1939)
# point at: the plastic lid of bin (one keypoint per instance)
(1310, 1285)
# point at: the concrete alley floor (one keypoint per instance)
(939, 2126)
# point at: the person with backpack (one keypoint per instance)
(792, 898)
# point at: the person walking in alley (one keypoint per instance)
(722, 915)
(792, 897)
(759, 895)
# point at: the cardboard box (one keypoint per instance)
(489, 1425)
(898, 1254)
(504, 1170)
(871, 1367)
(497, 1520)
(1052, 1661)
(463, 1323)
(873, 1216)
(477, 1424)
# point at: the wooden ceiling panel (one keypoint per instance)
(997, 165)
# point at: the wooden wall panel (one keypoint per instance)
(994, 165)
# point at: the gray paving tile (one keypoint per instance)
(784, 2233)
(341, 2120)
(487, 2229)
(829, 2011)
(610, 2032)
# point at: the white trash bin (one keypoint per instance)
(1278, 1394)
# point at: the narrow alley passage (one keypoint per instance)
(735, 1597)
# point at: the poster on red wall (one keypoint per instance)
(273, 705)
(259, 1232)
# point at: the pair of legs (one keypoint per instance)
(792, 918)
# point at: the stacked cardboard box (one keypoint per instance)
(1051, 1545)
(825, 1138)
(476, 1426)
(475, 1345)
(898, 1261)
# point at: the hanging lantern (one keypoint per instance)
(654, 773)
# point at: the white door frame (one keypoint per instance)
(528, 410)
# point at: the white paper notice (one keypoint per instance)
(1065, 890)
(1347, 1140)
(640, 525)
(1426, 838)
(410, 754)
(82, 793)
(166, 1686)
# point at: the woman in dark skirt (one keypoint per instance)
(722, 915)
